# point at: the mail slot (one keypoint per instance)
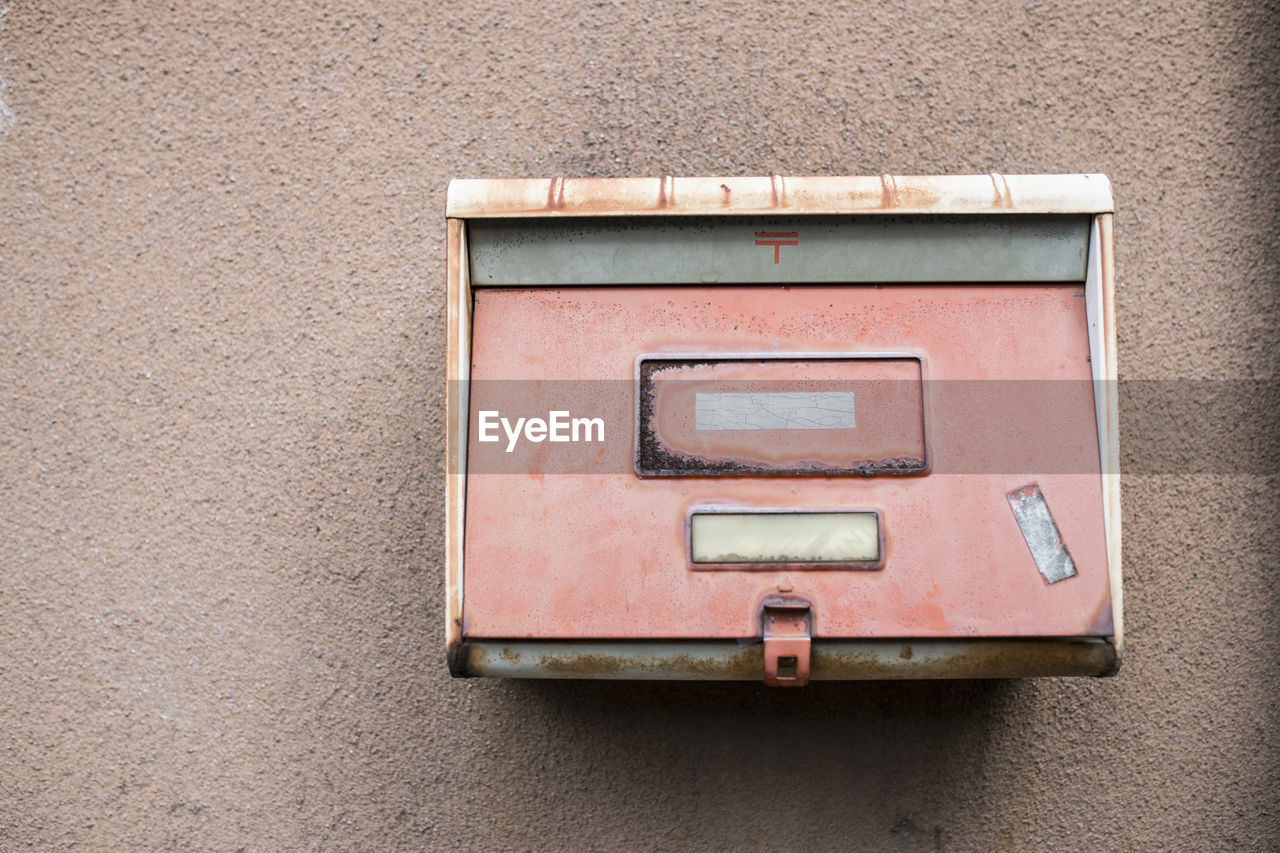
(782, 428)
(785, 416)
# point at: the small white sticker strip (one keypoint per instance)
(774, 410)
(1038, 528)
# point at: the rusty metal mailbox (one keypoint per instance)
(782, 428)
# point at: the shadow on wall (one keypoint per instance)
(739, 765)
(967, 699)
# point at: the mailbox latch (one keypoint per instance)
(787, 629)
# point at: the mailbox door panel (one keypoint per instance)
(575, 540)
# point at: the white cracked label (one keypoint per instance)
(1038, 528)
(774, 410)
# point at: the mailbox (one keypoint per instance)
(782, 428)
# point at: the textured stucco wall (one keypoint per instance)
(221, 341)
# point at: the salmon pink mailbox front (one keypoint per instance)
(782, 428)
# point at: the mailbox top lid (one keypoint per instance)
(884, 194)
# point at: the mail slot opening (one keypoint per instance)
(821, 415)
(846, 539)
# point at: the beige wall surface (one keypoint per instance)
(221, 446)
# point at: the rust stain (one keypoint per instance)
(905, 193)
(748, 663)
(555, 193)
(458, 658)
(979, 658)
(914, 195)
(888, 192)
(778, 190)
(666, 191)
(1003, 199)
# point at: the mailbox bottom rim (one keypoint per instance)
(832, 659)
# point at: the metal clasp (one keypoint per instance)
(787, 627)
